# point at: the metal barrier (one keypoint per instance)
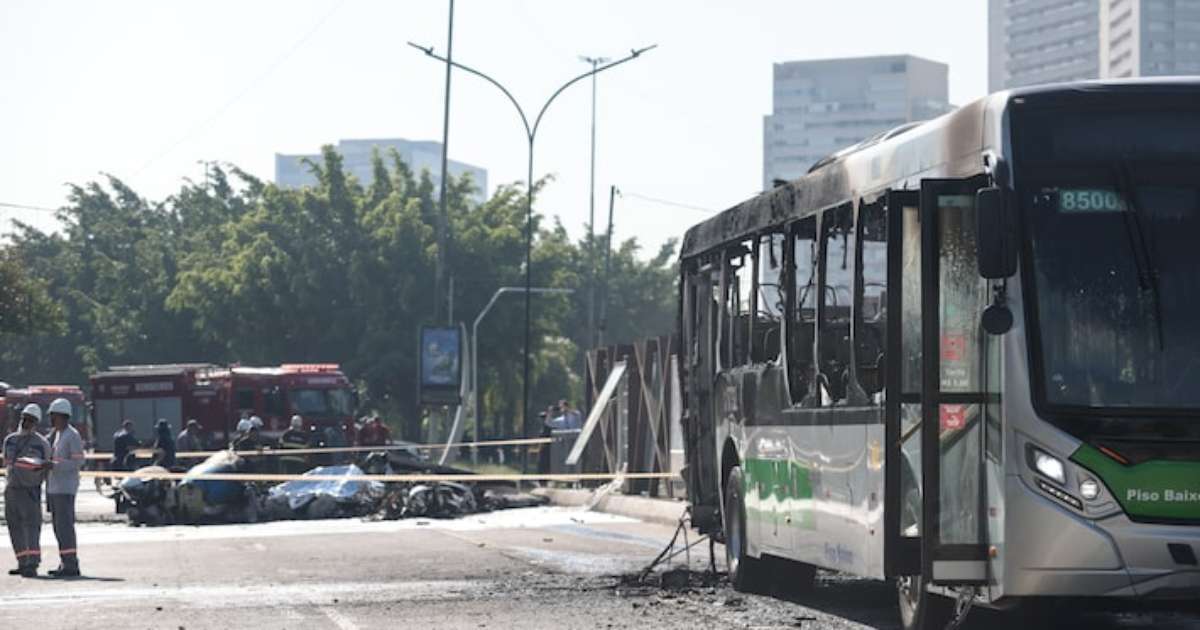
(637, 428)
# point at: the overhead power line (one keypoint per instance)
(21, 206)
(259, 80)
(666, 202)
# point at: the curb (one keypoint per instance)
(663, 511)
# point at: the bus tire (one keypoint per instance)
(745, 572)
(920, 609)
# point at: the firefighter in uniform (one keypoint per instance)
(294, 438)
(26, 458)
(62, 484)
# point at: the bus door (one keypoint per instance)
(953, 396)
(701, 322)
(902, 374)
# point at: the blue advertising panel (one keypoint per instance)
(440, 365)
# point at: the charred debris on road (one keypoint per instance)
(196, 501)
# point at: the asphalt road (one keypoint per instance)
(534, 568)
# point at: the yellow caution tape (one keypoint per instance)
(283, 452)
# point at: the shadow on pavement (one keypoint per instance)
(81, 578)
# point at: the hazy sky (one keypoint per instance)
(145, 90)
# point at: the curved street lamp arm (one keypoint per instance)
(633, 54)
(520, 112)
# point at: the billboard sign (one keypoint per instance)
(440, 369)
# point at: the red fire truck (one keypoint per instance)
(218, 396)
(14, 399)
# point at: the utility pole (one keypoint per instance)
(440, 273)
(612, 196)
(591, 244)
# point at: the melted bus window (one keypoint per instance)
(837, 227)
(802, 325)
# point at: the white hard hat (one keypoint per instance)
(243, 425)
(256, 421)
(60, 405)
(297, 421)
(32, 410)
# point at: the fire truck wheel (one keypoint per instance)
(745, 571)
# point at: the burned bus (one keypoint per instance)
(961, 356)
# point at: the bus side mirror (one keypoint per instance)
(996, 233)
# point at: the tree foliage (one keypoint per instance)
(236, 270)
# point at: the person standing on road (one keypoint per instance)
(189, 440)
(292, 439)
(164, 444)
(65, 461)
(26, 457)
(124, 441)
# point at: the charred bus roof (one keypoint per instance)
(869, 167)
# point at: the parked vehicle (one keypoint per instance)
(217, 396)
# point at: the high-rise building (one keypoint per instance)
(822, 106)
(291, 172)
(1032, 42)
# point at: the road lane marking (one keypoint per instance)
(248, 595)
(338, 619)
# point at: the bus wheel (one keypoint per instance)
(920, 609)
(745, 572)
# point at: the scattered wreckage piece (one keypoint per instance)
(308, 499)
(196, 500)
(214, 500)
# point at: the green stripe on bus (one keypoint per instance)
(785, 482)
(1154, 489)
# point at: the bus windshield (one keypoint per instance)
(320, 402)
(1116, 255)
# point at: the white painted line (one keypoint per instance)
(246, 595)
(338, 619)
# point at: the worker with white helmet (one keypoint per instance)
(66, 458)
(294, 438)
(26, 459)
(248, 434)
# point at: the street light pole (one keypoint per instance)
(475, 347)
(591, 318)
(443, 218)
(530, 135)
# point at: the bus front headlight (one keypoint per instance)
(1049, 465)
(1089, 489)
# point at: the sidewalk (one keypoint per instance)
(664, 511)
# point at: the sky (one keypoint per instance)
(147, 90)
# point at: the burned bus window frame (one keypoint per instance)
(801, 332)
(870, 366)
(767, 327)
(835, 348)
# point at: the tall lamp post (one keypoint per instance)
(591, 318)
(475, 343)
(530, 135)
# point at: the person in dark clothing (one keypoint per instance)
(124, 441)
(250, 439)
(164, 444)
(292, 439)
(316, 439)
(335, 438)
